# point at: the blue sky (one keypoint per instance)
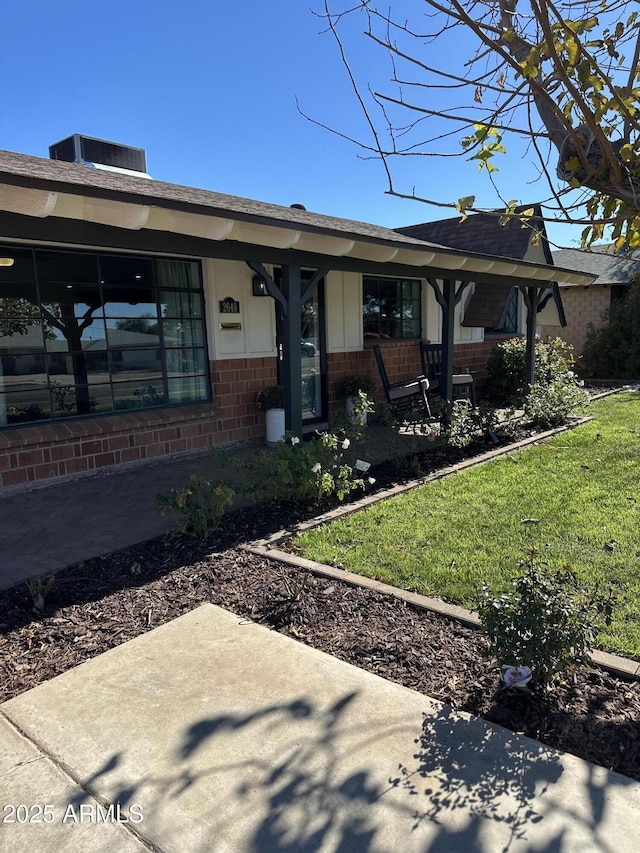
(209, 90)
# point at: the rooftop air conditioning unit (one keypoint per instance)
(101, 154)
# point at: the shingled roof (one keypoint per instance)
(600, 261)
(480, 232)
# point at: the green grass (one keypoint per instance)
(445, 538)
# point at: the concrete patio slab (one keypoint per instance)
(227, 737)
(29, 781)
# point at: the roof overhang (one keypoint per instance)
(184, 220)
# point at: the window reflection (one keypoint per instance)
(82, 334)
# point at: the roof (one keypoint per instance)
(479, 232)
(74, 176)
(608, 267)
(39, 188)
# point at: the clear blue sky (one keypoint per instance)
(209, 90)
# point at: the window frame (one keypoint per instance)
(381, 281)
(150, 369)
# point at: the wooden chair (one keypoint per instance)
(431, 360)
(404, 398)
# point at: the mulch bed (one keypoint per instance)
(103, 602)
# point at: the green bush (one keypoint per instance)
(548, 621)
(201, 503)
(304, 470)
(465, 423)
(556, 391)
(271, 397)
(549, 405)
(613, 351)
(506, 369)
(351, 386)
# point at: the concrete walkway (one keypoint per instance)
(214, 735)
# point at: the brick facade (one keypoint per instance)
(582, 305)
(402, 361)
(68, 449)
(31, 455)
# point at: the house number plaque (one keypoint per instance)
(228, 306)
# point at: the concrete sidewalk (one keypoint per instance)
(44, 530)
(215, 735)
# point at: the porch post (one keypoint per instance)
(532, 295)
(448, 335)
(291, 286)
(447, 298)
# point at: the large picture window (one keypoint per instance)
(83, 334)
(391, 308)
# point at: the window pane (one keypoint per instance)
(18, 342)
(69, 398)
(181, 305)
(180, 274)
(137, 361)
(63, 340)
(129, 302)
(25, 406)
(391, 308)
(188, 389)
(182, 333)
(86, 334)
(133, 332)
(91, 368)
(125, 271)
(22, 370)
(138, 395)
(185, 360)
(22, 269)
(66, 267)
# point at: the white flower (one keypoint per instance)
(345, 444)
(516, 676)
(316, 468)
(372, 480)
(295, 439)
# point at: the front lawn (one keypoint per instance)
(576, 498)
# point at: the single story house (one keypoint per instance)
(139, 318)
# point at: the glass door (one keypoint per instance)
(312, 351)
(313, 358)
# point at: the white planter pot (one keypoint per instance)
(351, 413)
(275, 426)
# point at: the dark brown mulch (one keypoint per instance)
(104, 602)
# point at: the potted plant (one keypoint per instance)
(271, 399)
(350, 388)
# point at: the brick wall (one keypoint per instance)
(31, 455)
(582, 305)
(402, 362)
(67, 449)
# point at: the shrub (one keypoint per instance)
(551, 405)
(351, 386)
(201, 503)
(613, 351)
(548, 621)
(506, 384)
(465, 423)
(305, 470)
(271, 397)
(556, 391)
